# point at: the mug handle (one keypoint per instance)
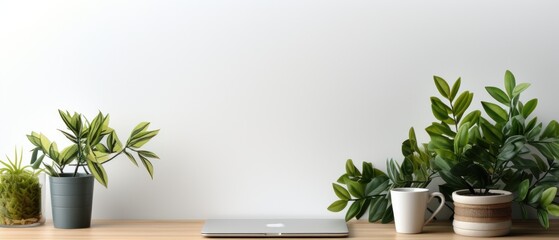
(433, 195)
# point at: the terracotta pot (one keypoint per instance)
(482, 215)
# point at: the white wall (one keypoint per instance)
(259, 102)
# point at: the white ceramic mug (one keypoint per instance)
(409, 206)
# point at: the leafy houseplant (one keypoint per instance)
(92, 145)
(469, 151)
(505, 152)
(369, 188)
(20, 194)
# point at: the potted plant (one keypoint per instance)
(476, 157)
(369, 188)
(92, 145)
(20, 194)
(493, 158)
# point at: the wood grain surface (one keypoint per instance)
(187, 229)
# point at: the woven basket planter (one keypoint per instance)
(482, 215)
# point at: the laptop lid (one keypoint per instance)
(275, 228)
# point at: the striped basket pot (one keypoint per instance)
(482, 215)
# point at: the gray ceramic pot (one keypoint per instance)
(71, 200)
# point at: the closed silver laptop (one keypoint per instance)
(275, 228)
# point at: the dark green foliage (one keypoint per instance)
(502, 147)
(369, 188)
(20, 194)
(506, 151)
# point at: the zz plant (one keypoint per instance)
(92, 145)
(369, 188)
(511, 150)
(20, 193)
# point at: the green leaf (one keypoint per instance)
(472, 118)
(519, 89)
(495, 112)
(53, 152)
(553, 209)
(341, 192)
(337, 206)
(95, 130)
(440, 142)
(442, 86)
(45, 143)
(529, 107)
(343, 179)
(102, 148)
(388, 215)
(523, 189)
(441, 164)
(147, 165)
(141, 127)
(376, 186)
(113, 143)
(34, 155)
(68, 154)
(533, 134)
(69, 136)
(148, 154)
(132, 159)
(510, 82)
(98, 172)
(440, 110)
(445, 159)
(535, 194)
(392, 170)
(142, 138)
(551, 130)
(35, 139)
(368, 171)
(356, 189)
(440, 129)
(547, 196)
(377, 208)
(364, 207)
(452, 180)
(455, 88)
(540, 162)
(50, 170)
(491, 133)
(350, 169)
(70, 121)
(407, 167)
(462, 138)
(543, 218)
(353, 210)
(498, 95)
(462, 103)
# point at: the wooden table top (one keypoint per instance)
(190, 229)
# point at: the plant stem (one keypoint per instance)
(79, 142)
(453, 116)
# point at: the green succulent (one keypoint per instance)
(20, 193)
(93, 144)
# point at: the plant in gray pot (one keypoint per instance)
(72, 169)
